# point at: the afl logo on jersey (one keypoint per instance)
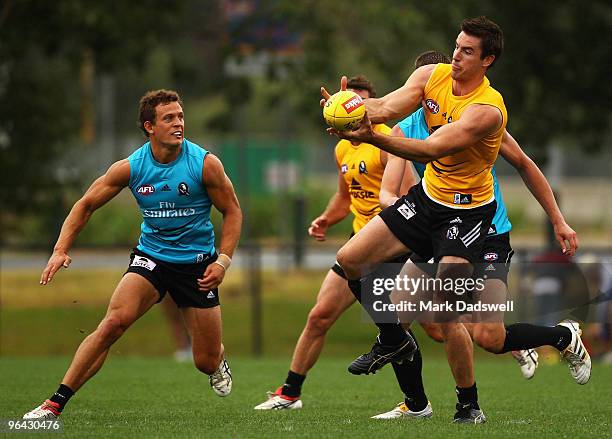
(432, 106)
(362, 167)
(183, 189)
(145, 190)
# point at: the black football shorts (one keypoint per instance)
(180, 280)
(431, 229)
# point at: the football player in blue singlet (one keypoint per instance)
(175, 183)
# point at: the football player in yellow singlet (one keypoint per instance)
(447, 215)
(360, 171)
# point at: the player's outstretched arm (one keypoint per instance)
(538, 185)
(99, 193)
(477, 122)
(223, 197)
(396, 104)
(402, 101)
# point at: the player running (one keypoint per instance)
(360, 171)
(175, 183)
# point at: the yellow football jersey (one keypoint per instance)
(362, 171)
(463, 179)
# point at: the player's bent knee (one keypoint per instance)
(111, 329)
(348, 263)
(319, 322)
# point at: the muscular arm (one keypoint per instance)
(339, 205)
(402, 101)
(538, 185)
(337, 209)
(221, 192)
(99, 193)
(397, 178)
(476, 122)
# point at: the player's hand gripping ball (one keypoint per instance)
(344, 110)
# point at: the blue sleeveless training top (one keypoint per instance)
(174, 204)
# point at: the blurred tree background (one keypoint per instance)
(249, 72)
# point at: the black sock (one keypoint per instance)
(390, 333)
(62, 396)
(468, 395)
(410, 379)
(520, 336)
(293, 384)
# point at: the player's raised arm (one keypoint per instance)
(99, 193)
(396, 104)
(222, 194)
(538, 185)
(402, 101)
(477, 122)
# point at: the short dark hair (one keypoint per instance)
(490, 34)
(150, 100)
(431, 57)
(360, 82)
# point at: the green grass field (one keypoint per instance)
(142, 392)
(153, 397)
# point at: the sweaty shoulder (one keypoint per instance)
(486, 118)
(423, 73)
(119, 173)
(493, 99)
(212, 171)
